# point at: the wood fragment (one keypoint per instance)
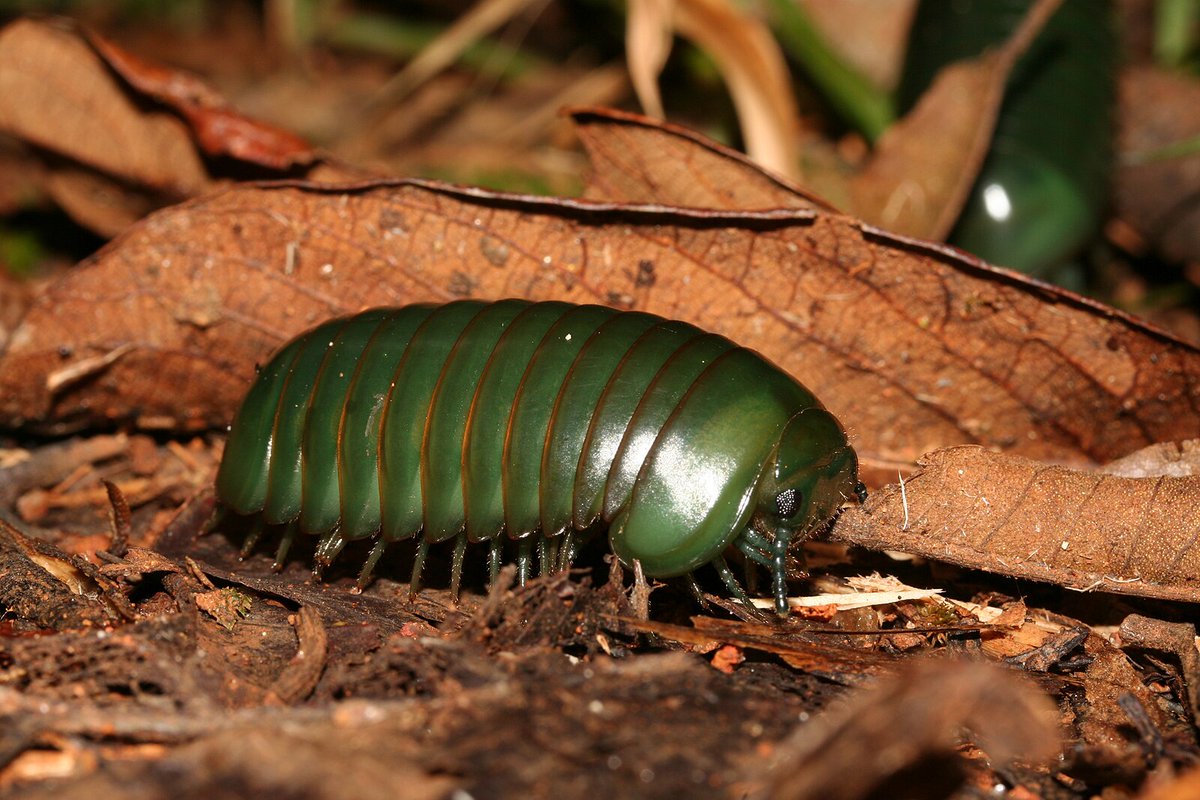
(1176, 638)
(912, 720)
(300, 677)
(51, 463)
(120, 519)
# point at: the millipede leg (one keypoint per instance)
(219, 515)
(495, 554)
(753, 537)
(524, 557)
(731, 582)
(696, 591)
(252, 537)
(456, 564)
(285, 544)
(414, 583)
(566, 552)
(779, 548)
(364, 575)
(548, 550)
(327, 550)
(751, 552)
(757, 550)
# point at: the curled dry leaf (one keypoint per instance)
(912, 346)
(219, 129)
(121, 136)
(747, 56)
(57, 94)
(1176, 459)
(1014, 516)
(648, 34)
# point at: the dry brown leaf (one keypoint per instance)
(1174, 459)
(218, 129)
(57, 93)
(648, 34)
(924, 166)
(1011, 515)
(122, 136)
(913, 346)
(747, 56)
(637, 160)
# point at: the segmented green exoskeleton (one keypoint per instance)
(537, 422)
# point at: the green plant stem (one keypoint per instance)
(1180, 149)
(864, 106)
(1174, 30)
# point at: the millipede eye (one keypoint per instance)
(787, 503)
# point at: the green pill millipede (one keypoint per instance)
(540, 423)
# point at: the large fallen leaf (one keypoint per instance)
(636, 160)
(1007, 514)
(912, 346)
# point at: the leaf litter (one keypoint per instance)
(321, 691)
(120, 136)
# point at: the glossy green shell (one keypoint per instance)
(529, 421)
(1042, 190)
